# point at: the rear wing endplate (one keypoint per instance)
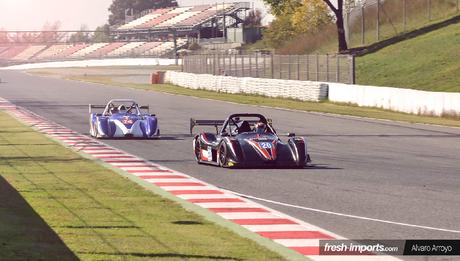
(145, 107)
(215, 123)
(92, 106)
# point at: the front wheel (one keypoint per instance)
(222, 155)
(93, 130)
(197, 149)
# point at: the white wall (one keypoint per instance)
(396, 99)
(301, 90)
(96, 62)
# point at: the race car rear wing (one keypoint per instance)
(215, 123)
(92, 106)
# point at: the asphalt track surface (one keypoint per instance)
(408, 173)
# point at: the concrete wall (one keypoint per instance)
(96, 62)
(301, 90)
(396, 99)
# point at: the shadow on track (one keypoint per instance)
(447, 135)
(138, 139)
(124, 255)
(172, 161)
(320, 166)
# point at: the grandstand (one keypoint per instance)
(37, 53)
(154, 33)
(201, 21)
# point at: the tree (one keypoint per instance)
(50, 33)
(102, 34)
(279, 30)
(80, 37)
(311, 16)
(280, 6)
(253, 19)
(118, 7)
(338, 11)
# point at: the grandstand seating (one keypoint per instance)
(179, 16)
(125, 49)
(176, 19)
(69, 51)
(199, 18)
(58, 52)
(51, 51)
(156, 21)
(29, 52)
(152, 24)
(3, 48)
(164, 48)
(144, 19)
(140, 21)
(101, 52)
(146, 49)
(87, 50)
(13, 51)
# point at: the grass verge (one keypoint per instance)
(65, 207)
(325, 107)
(427, 62)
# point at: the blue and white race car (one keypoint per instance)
(123, 118)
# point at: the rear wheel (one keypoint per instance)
(222, 154)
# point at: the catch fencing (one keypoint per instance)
(325, 68)
(374, 20)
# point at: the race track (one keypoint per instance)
(398, 172)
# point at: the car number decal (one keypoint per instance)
(265, 145)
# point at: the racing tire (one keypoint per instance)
(222, 154)
(93, 131)
(156, 136)
(196, 149)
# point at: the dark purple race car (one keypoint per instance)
(247, 140)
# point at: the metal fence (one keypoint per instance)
(375, 20)
(328, 68)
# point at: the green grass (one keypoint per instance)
(57, 205)
(326, 107)
(391, 25)
(428, 62)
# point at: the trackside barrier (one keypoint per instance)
(397, 99)
(301, 90)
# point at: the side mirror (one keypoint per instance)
(291, 134)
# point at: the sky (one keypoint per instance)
(33, 14)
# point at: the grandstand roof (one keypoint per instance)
(181, 18)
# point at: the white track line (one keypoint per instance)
(343, 215)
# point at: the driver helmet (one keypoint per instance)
(121, 108)
(113, 110)
(260, 128)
